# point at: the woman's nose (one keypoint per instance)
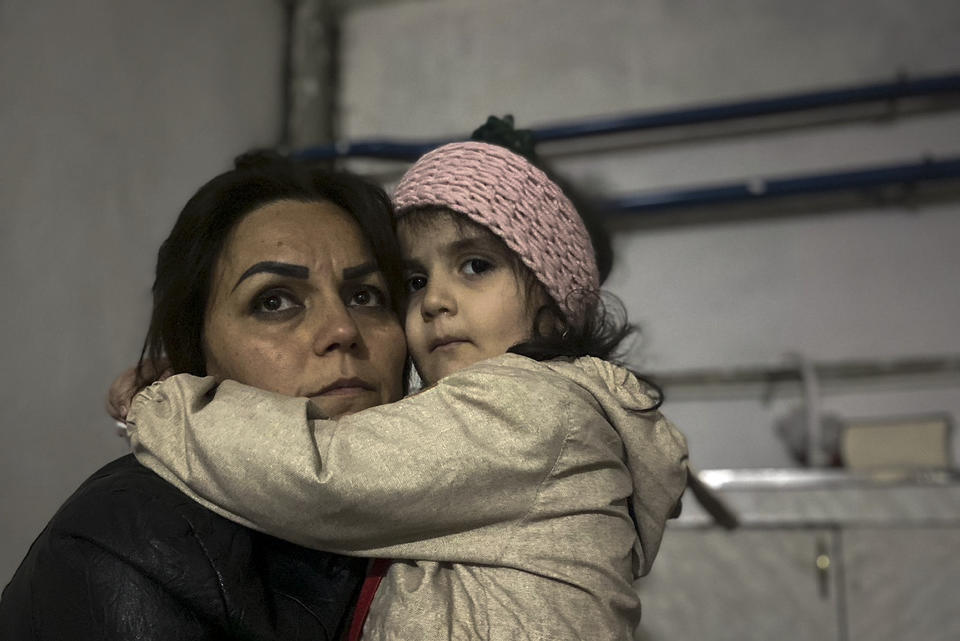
(438, 299)
(336, 330)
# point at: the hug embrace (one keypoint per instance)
(287, 485)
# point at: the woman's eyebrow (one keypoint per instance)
(359, 271)
(272, 267)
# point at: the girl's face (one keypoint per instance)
(298, 306)
(466, 304)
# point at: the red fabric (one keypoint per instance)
(375, 574)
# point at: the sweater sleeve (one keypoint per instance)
(401, 480)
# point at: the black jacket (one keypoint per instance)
(130, 557)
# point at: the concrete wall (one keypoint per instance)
(112, 112)
(864, 282)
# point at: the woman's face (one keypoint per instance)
(298, 306)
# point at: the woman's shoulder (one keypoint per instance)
(123, 499)
(122, 533)
(125, 533)
(127, 512)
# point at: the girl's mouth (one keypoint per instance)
(446, 343)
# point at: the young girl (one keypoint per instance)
(519, 496)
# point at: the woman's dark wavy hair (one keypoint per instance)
(187, 258)
(605, 325)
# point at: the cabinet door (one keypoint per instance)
(712, 585)
(902, 583)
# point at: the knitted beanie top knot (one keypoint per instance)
(517, 202)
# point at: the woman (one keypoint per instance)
(130, 557)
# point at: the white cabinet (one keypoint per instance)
(851, 560)
(902, 583)
(713, 585)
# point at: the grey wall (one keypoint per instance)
(112, 112)
(866, 282)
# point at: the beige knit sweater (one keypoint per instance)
(520, 499)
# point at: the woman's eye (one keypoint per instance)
(367, 297)
(476, 266)
(274, 303)
(416, 283)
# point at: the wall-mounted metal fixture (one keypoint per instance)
(833, 377)
(311, 72)
(811, 405)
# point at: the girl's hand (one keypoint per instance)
(121, 392)
(124, 387)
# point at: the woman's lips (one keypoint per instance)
(345, 387)
(344, 391)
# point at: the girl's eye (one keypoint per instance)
(416, 282)
(367, 296)
(275, 302)
(476, 266)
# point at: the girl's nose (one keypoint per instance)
(336, 330)
(439, 298)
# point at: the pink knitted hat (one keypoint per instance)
(505, 193)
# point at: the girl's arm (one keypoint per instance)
(468, 453)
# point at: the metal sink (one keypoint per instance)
(830, 497)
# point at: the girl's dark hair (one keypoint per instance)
(187, 258)
(605, 326)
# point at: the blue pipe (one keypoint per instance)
(902, 88)
(383, 149)
(659, 200)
